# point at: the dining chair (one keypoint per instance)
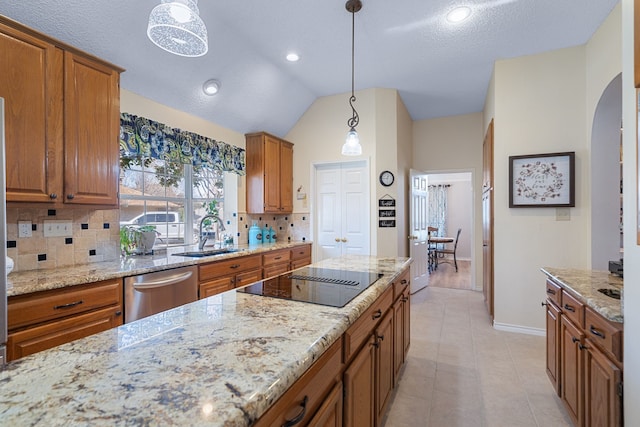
(431, 248)
(445, 251)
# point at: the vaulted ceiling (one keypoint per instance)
(439, 68)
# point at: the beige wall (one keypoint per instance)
(405, 163)
(318, 137)
(631, 248)
(454, 144)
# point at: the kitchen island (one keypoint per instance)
(223, 360)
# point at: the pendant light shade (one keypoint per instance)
(175, 26)
(352, 145)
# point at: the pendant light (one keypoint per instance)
(176, 26)
(352, 145)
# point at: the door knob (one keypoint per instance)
(343, 240)
(338, 239)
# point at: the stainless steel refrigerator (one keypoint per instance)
(3, 245)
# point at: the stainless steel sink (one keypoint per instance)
(612, 293)
(205, 253)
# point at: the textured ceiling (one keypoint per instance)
(439, 69)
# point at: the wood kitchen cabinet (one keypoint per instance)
(276, 262)
(43, 320)
(315, 399)
(300, 256)
(61, 120)
(401, 319)
(584, 359)
(220, 276)
(269, 161)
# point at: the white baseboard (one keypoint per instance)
(519, 329)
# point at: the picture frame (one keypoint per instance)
(542, 180)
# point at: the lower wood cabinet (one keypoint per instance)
(330, 413)
(313, 397)
(359, 384)
(221, 276)
(43, 320)
(384, 374)
(584, 360)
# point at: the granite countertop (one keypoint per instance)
(584, 284)
(26, 282)
(220, 361)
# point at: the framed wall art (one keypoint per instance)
(542, 180)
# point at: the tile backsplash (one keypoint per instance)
(290, 227)
(95, 237)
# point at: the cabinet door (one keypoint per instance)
(406, 336)
(31, 86)
(384, 364)
(49, 335)
(571, 371)
(359, 388)
(286, 177)
(398, 341)
(92, 109)
(215, 286)
(271, 174)
(553, 345)
(603, 403)
(330, 413)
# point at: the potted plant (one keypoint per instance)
(137, 239)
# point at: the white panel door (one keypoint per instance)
(342, 210)
(418, 237)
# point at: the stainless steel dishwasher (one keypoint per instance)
(151, 293)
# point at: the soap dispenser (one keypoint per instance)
(255, 234)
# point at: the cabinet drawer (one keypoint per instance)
(400, 284)
(362, 328)
(553, 293)
(607, 335)
(276, 269)
(248, 277)
(308, 393)
(297, 263)
(229, 267)
(573, 309)
(25, 310)
(300, 252)
(276, 257)
(49, 335)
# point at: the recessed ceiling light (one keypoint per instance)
(459, 14)
(211, 87)
(292, 57)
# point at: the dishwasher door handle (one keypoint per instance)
(171, 280)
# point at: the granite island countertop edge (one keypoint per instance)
(278, 343)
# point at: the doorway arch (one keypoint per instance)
(606, 188)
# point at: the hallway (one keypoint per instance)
(462, 372)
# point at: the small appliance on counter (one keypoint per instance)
(616, 267)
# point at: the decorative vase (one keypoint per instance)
(255, 234)
(266, 235)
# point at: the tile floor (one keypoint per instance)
(462, 372)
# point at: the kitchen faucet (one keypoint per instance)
(203, 239)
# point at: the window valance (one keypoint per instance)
(142, 137)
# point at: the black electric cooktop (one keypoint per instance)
(315, 285)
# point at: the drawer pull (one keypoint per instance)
(234, 266)
(405, 299)
(596, 332)
(569, 308)
(377, 314)
(71, 304)
(543, 304)
(574, 340)
(582, 347)
(381, 337)
(403, 282)
(551, 291)
(300, 416)
(277, 258)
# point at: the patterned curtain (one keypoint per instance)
(141, 137)
(438, 208)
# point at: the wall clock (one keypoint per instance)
(386, 178)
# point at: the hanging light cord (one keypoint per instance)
(355, 119)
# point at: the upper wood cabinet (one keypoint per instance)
(62, 111)
(269, 174)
